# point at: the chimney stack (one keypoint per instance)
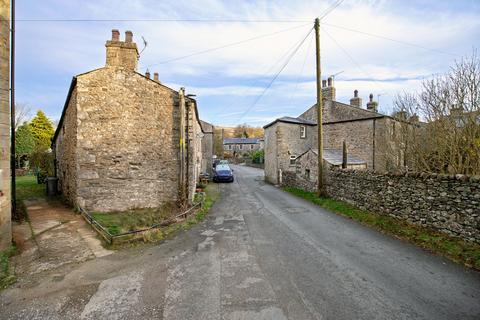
(115, 35)
(356, 101)
(128, 36)
(155, 77)
(122, 53)
(328, 90)
(372, 105)
(147, 74)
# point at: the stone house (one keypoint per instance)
(369, 135)
(238, 147)
(125, 140)
(5, 182)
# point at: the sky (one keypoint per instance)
(233, 84)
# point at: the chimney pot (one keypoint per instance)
(128, 36)
(355, 93)
(324, 83)
(371, 97)
(155, 76)
(147, 74)
(115, 35)
(330, 81)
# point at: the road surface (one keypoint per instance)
(261, 254)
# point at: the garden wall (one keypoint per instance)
(448, 203)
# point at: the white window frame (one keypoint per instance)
(293, 159)
(303, 132)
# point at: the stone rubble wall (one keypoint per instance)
(5, 189)
(127, 153)
(447, 203)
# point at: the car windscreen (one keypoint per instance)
(223, 172)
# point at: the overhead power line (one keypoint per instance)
(352, 59)
(276, 75)
(167, 20)
(226, 45)
(329, 10)
(390, 39)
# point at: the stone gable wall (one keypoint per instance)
(127, 141)
(5, 189)
(65, 151)
(450, 204)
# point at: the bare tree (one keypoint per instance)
(22, 114)
(449, 140)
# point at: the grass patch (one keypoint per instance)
(455, 249)
(6, 274)
(212, 194)
(27, 188)
(136, 219)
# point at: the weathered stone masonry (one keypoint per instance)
(450, 204)
(118, 142)
(5, 188)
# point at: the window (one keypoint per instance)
(307, 174)
(303, 132)
(229, 147)
(251, 147)
(292, 160)
(240, 147)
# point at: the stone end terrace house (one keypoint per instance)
(237, 147)
(369, 135)
(117, 145)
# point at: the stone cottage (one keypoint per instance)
(369, 135)
(5, 189)
(237, 147)
(125, 140)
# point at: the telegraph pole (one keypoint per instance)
(320, 187)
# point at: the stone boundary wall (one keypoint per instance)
(447, 203)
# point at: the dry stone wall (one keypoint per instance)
(448, 203)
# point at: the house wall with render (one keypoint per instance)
(5, 182)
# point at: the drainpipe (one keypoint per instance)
(12, 109)
(373, 144)
(181, 186)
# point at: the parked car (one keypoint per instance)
(223, 173)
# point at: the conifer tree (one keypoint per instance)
(42, 130)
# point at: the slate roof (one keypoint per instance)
(335, 156)
(292, 120)
(241, 140)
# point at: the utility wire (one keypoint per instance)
(273, 66)
(329, 10)
(390, 39)
(226, 45)
(276, 75)
(301, 71)
(166, 20)
(353, 60)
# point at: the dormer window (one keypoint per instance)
(303, 132)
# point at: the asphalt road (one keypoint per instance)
(261, 254)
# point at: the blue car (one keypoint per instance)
(223, 173)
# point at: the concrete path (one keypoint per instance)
(261, 254)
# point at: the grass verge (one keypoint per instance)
(110, 221)
(6, 275)
(466, 253)
(27, 188)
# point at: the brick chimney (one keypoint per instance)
(372, 105)
(122, 53)
(328, 89)
(356, 101)
(147, 74)
(155, 77)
